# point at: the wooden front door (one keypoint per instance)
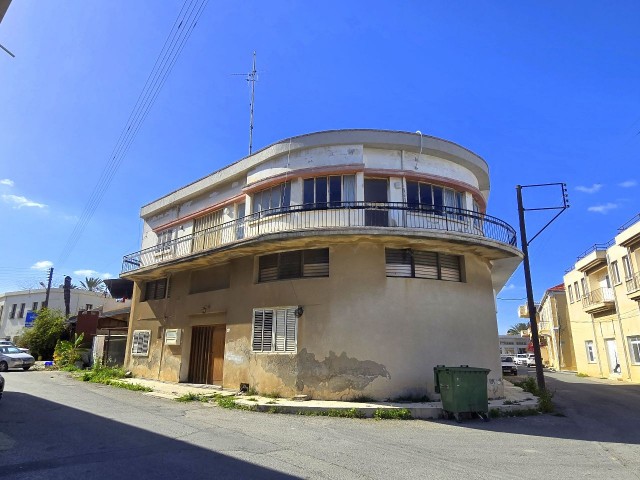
(207, 354)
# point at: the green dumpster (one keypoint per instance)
(462, 390)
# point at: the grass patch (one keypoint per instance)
(392, 414)
(227, 402)
(580, 374)
(251, 392)
(191, 397)
(252, 399)
(545, 405)
(271, 402)
(528, 385)
(100, 374)
(274, 394)
(68, 368)
(136, 387)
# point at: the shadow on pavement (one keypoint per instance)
(585, 410)
(42, 439)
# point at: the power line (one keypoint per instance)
(178, 36)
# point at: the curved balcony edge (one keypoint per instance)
(328, 218)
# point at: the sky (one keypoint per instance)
(543, 91)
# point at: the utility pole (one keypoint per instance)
(251, 77)
(527, 270)
(46, 300)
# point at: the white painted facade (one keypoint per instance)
(14, 306)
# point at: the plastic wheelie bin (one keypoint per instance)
(462, 390)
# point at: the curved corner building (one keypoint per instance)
(335, 264)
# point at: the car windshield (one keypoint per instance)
(507, 359)
(9, 350)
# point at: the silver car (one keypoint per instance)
(12, 357)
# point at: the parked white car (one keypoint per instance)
(521, 359)
(12, 357)
(531, 360)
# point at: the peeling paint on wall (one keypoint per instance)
(337, 373)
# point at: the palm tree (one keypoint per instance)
(93, 284)
(517, 328)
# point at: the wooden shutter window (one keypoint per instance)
(450, 268)
(289, 264)
(275, 330)
(426, 264)
(316, 263)
(398, 262)
(268, 268)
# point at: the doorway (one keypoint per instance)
(375, 192)
(612, 355)
(207, 354)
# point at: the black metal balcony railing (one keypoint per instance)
(598, 296)
(332, 215)
(633, 283)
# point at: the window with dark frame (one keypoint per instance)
(22, 307)
(12, 313)
(278, 196)
(293, 264)
(328, 192)
(408, 263)
(155, 290)
(434, 198)
(34, 307)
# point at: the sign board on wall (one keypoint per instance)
(29, 319)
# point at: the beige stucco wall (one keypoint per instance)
(361, 333)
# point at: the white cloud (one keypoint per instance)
(604, 209)
(628, 184)
(19, 202)
(42, 265)
(596, 187)
(7, 181)
(87, 272)
(511, 286)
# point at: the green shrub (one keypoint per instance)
(42, 337)
(528, 385)
(136, 387)
(392, 414)
(580, 374)
(545, 405)
(68, 353)
(102, 374)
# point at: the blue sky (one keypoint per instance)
(544, 91)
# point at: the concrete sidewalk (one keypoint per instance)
(515, 398)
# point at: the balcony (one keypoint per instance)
(345, 217)
(633, 286)
(599, 300)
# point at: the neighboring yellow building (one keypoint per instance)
(554, 330)
(603, 290)
(333, 264)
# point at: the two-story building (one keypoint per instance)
(603, 290)
(333, 264)
(554, 330)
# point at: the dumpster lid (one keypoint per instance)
(462, 368)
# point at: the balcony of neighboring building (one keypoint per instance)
(633, 286)
(595, 256)
(599, 300)
(374, 221)
(629, 235)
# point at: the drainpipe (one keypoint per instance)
(624, 344)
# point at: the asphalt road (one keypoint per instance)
(54, 427)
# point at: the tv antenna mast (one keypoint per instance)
(251, 77)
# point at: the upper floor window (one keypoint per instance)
(294, 264)
(34, 307)
(410, 263)
(89, 307)
(585, 287)
(155, 290)
(164, 239)
(22, 307)
(331, 191)
(274, 197)
(12, 313)
(570, 290)
(577, 290)
(434, 198)
(628, 270)
(615, 272)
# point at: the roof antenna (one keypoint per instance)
(251, 77)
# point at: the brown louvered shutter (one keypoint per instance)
(161, 288)
(267, 331)
(425, 264)
(290, 264)
(316, 263)
(398, 262)
(268, 268)
(450, 268)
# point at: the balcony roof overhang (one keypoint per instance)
(504, 258)
(594, 259)
(600, 307)
(630, 236)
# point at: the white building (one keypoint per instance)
(14, 306)
(512, 344)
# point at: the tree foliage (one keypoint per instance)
(517, 328)
(47, 329)
(68, 352)
(93, 284)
